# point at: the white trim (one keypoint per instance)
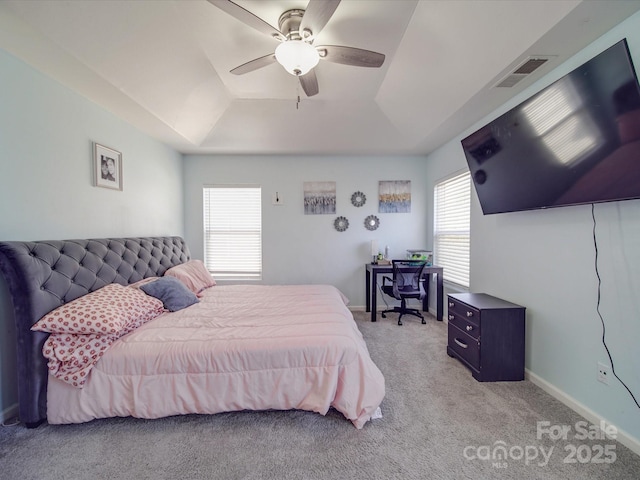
(623, 437)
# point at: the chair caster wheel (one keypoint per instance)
(424, 322)
(383, 315)
(399, 322)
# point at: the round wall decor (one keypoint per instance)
(358, 199)
(341, 224)
(371, 222)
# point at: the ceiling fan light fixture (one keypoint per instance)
(297, 56)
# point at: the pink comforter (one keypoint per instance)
(252, 347)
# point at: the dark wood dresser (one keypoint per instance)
(487, 335)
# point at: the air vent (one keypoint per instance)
(530, 65)
(527, 67)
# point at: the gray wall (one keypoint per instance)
(299, 248)
(46, 192)
(544, 260)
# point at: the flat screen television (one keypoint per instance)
(575, 142)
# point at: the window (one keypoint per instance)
(233, 232)
(451, 231)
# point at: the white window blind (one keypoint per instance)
(233, 232)
(452, 201)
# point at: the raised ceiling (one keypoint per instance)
(163, 66)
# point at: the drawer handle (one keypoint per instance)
(451, 317)
(469, 314)
(460, 343)
(469, 328)
(451, 304)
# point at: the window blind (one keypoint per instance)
(452, 205)
(233, 232)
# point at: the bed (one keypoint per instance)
(238, 347)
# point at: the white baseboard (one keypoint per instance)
(9, 412)
(623, 437)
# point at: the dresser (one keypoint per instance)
(487, 335)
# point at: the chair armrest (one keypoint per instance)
(385, 279)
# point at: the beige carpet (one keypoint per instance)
(438, 422)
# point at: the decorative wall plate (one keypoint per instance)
(358, 199)
(371, 222)
(341, 224)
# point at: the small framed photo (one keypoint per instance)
(107, 165)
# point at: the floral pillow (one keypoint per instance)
(71, 356)
(193, 274)
(109, 310)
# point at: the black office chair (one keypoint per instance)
(406, 283)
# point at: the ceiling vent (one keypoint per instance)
(527, 67)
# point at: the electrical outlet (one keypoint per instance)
(604, 371)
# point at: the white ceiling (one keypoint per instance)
(163, 66)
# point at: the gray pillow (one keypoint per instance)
(172, 292)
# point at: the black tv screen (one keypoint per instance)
(575, 142)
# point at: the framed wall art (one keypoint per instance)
(107, 166)
(394, 196)
(319, 198)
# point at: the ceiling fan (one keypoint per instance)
(296, 31)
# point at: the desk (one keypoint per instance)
(372, 272)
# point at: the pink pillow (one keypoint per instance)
(71, 357)
(108, 310)
(193, 274)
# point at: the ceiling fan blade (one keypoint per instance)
(309, 83)
(254, 64)
(350, 56)
(317, 14)
(248, 18)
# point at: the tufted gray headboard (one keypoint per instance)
(43, 275)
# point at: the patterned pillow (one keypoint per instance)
(72, 356)
(193, 274)
(108, 310)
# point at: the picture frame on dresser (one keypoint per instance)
(107, 167)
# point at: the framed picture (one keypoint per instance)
(394, 196)
(107, 166)
(319, 198)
